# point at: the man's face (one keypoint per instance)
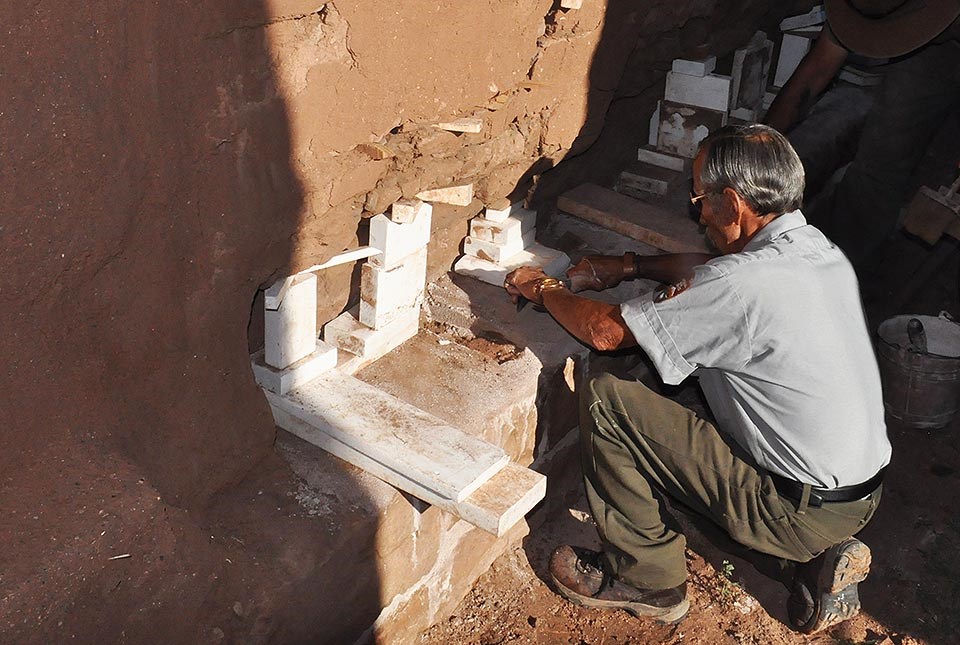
(723, 228)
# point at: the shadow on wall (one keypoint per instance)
(148, 189)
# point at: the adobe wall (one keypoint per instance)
(162, 162)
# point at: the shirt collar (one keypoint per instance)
(783, 224)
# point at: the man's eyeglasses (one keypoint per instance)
(695, 202)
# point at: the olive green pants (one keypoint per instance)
(637, 445)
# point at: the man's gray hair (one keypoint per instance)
(758, 163)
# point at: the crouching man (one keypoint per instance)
(774, 329)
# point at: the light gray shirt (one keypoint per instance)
(777, 336)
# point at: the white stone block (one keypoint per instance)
(744, 114)
(700, 67)
(571, 4)
(273, 295)
(349, 334)
(501, 214)
(397, 241)
(506, 232)
(497, 253)
(751, 67)
(792, 50)
(551, 261)
(815, 16)
(290, 331)
(323, 359)
(406, 211)
(462, 125)
(654, 132)
(682, 127)
(456, 195)
(406, 440)
(768, 98)
(643, 178)
(386, 294)
(711, 91)
(662, 159)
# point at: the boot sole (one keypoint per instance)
(667, 615)
(841, 601)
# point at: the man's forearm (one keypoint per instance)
(598, 324)
(670, 268)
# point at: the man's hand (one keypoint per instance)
(599, 272)
(523, 282)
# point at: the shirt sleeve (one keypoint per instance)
(704, 325)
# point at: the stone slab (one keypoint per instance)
(751, 67)
(640, 179)
(649, 154)
(552, 262)
(815, 16)
(793, 47)
(400, 443)
(670, 232)
(456, 195)
(462, 125)
(324, 358)
(502, 501)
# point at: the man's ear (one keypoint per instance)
(733, 205)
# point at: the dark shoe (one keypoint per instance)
(580, 577)
(825, 589)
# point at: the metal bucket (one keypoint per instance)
(921, 384)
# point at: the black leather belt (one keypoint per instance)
(794, 490)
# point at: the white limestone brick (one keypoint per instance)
(456, 195)
(509, 230)
(349, 334)
(792, 50)
(495, 214)
(497, 253)
(397, 241)
(711, 91)
(323, 359)
(405, 211)
(290, 331)
(700, 67)
(386, 294)
(466, 124)
(662, 159)
(551, 261)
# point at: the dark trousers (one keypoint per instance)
(637, 445)
(917, 95)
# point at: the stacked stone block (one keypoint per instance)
(503, 239)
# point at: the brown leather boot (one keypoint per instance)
(580, 577)
(825, 589)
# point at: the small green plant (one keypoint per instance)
(726, 568)
(728, 587)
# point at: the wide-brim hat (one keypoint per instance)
(888, 28)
